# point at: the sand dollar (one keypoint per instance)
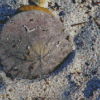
(33, 43)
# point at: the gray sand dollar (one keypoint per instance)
(33, 43)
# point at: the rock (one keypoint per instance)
(32, 44)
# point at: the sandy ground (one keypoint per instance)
(79, 77)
